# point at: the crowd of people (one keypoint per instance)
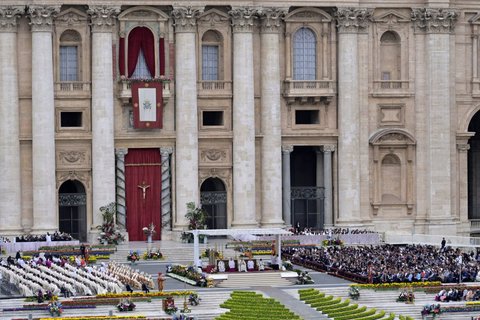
(56, 236)
(330, 231)
(390, 263)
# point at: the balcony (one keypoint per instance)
(391, 88)
(72, 89)
(305, 90)
(217, 88)
(125, 93)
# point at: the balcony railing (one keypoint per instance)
(475, 224)
(391, 88)
(305, 89)
(126, 90)
(215, 88)
(72, 88)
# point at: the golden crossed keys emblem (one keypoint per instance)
(144, 188)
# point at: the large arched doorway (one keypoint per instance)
(72, 211)
(213, 198)
(307, 195)
(474, 169)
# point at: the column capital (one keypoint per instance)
(271, 19)
(353, 20)
(287, 148)
(166, 151)
(121, 152)
(328, 148)
(463, 147)
(41, 17)
(102, 18)
(185, 18)
(434, 20)
(243, 18)
(8, 17)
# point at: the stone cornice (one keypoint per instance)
(41, 17)
(271, 19)
(432, 20)
(243, 18)
(8, 17)
(185, 18)
(103, 18)
(353, 20)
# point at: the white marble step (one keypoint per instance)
(250, 279)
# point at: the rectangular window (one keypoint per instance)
(209, 63)
(212, 118)
(386, 76)
(307, 117)
(68, 63)
(70, 119)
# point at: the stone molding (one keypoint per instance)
(82, 176)
(41, 17)
(433, 20)
(103, 18)
(72, 156)
(353, 20)
(185, 18)
(287, 148)
(328, 148)
(243, 18)
(8, 17)
(271, 19)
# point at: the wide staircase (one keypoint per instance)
(254, 279)
(386, 300)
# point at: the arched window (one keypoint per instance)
(70, 42)
(211, 53)
(391, 179)
(304, 55)
(390, 55)
(141, 53)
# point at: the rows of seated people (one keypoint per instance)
(388, 263)
(56, 275)
(56, 236)
(453, 294)
(331, 231)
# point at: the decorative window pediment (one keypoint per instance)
(308, 15)
(391, 17)
(213, 17)
(71, 17)
(392, 136)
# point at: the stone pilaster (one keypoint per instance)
(10, 188)
(43, 119)
(271, 117)
(350, 21)
(328, 184)
(103, 149)
(166, 189)
(286, 185)
(438, 24)
(243, 119)
(120, 154)
(186, 148)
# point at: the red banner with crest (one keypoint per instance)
(147, 100)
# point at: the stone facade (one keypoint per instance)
(374, 133)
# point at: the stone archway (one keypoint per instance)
(72, 211)
(474, 169)
(213, 197)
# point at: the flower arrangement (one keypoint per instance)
(303, 277)
(126, 305)
(169, 306)
(133, 256)
(154, 294)
(161, 78)
(196, 220)
(354, 293)
(431, 310)
(190, 273)
(150, 230)
(55, 308)
(332, 242)
(397, 285)
(152, 255)
(406, 296)
(109, 233)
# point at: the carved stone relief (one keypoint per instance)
(73, 158)
(213, 155)
(82, 176)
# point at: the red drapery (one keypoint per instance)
(161, 49)
(121, 56)
(141, 38)
(143, 172)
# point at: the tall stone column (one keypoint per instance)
(243, 118)
(103, 148)
(43, 119)
(166, 189)
(286, 185)
(120, 154)
(438, 24)
(10, 188)
(350, 21)
(186, 148)
(328, 184)
(271, 118)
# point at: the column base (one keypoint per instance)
(244, 225)
(275, 223)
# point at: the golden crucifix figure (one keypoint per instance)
(144, 188)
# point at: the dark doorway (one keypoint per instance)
(72, 213)
(213, 198)
(307, 198)
(474, 169)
